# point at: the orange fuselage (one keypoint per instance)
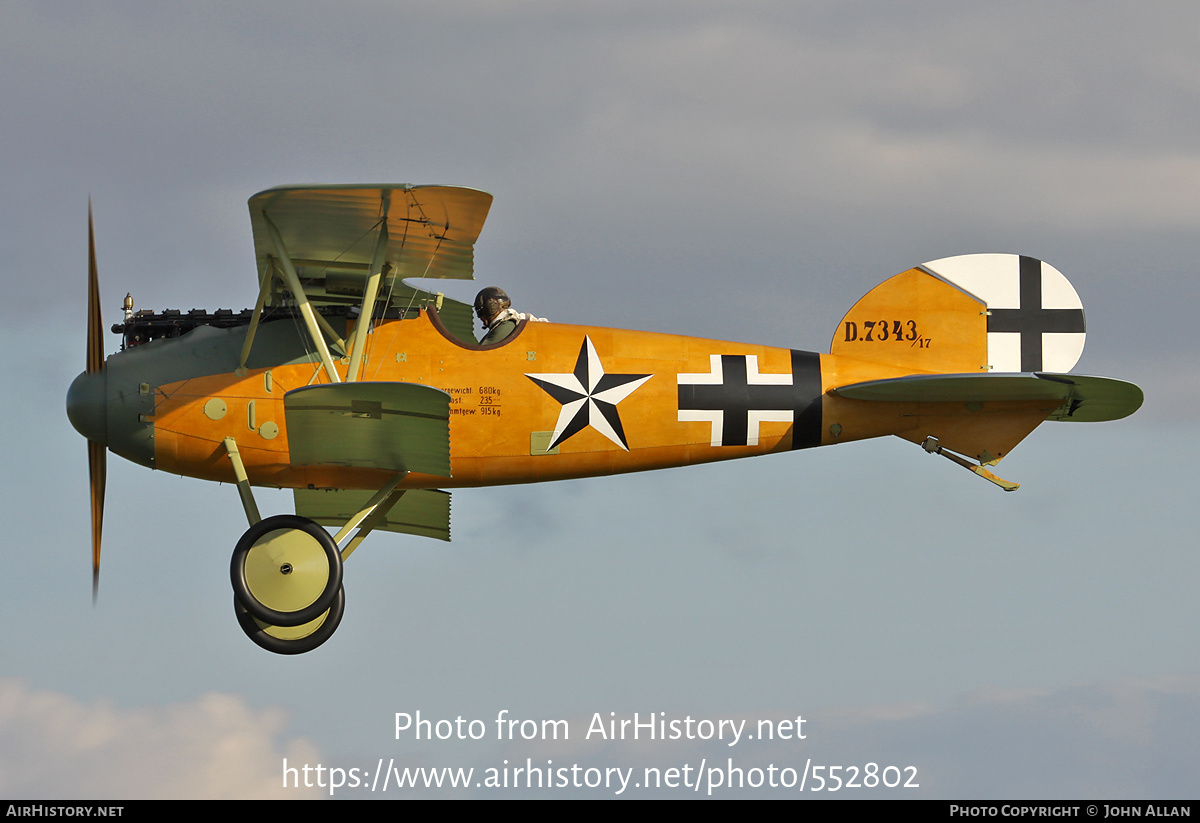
(634, 401)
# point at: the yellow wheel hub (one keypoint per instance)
(292, 639)
(293, 632)
(287, 570)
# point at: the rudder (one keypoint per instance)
(968, 314)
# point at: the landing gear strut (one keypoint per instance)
(286, 570)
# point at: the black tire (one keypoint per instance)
(242, 588)
(260, 632)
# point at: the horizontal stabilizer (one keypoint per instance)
(1079, 398)
(423, 512)
(392, 426)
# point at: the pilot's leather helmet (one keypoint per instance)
(490, 302)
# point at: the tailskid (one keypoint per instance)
(932, 446)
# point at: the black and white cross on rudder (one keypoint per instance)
(1035, 319)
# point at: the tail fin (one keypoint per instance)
(961, 347)
(968, 314)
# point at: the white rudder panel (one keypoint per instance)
(1035, 318)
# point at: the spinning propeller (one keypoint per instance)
(97, 451)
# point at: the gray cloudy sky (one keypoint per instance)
(739, 171)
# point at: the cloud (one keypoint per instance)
(216, 746)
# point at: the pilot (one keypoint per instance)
(494, 310)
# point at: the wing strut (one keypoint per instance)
(332, 332)
(264, 289)
(306, 309)
(371, 291)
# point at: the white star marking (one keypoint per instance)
(589, 397)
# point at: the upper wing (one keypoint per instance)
(330, 231)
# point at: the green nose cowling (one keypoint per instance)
(87, 408)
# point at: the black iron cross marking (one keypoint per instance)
(736, 397)
(1031, 320)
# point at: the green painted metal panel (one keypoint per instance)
(331, 231)
(423, 512)
(1083, 399)
(393, 426)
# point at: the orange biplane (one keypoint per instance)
(370, 398)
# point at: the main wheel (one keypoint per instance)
(286, 570)
(292, 639)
